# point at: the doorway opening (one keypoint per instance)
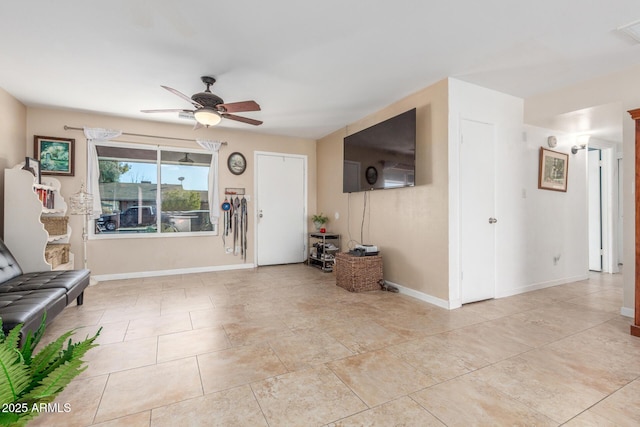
(603, 206)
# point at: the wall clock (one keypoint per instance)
(371, 175)
(237, 163)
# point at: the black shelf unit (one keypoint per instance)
(322, 250)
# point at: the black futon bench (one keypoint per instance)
(26, 297)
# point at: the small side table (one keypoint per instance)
(322, 252)
(358, 273)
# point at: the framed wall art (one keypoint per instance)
(553, 170)
(56, 155)
(236, 163)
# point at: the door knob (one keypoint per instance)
(260, 214)
(492, 220)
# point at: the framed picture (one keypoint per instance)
(33, 166)
(56, 155)
(552, 174)
(236, 163)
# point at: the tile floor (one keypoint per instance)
(284, 346)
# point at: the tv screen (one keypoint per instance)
(381, 156)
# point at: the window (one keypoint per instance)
(153, 191)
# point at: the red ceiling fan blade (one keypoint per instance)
(237, 107)
(183, 96)
(242, 119)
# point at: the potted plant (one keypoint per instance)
(319, 220)
(28, 382)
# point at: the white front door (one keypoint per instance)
(477, 211)
(281, 208)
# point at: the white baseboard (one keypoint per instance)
(423, 297)
(541, 285)
(628, 312)
(157, 273)
(453, 304)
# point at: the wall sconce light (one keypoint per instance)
(582, 140)
(575, 148)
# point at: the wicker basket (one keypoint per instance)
(55, 225)
(56, 254)
(358, 274)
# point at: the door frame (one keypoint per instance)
(620, 207)
(455, 251)
(305, 196)
(602, 216)
(609, 197)
(460, 213)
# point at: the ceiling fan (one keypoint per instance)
(185, 159)
(210, 109)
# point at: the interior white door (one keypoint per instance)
(595, 209)
(281, 208)
(477, 211)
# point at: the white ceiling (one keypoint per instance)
(601, 121)
(314, 67)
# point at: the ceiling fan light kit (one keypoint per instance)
(210, 109)
(207, 117)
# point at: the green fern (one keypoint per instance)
(13, 338)
(27, 379)
(31, 340)
(55, 382)
(14, 376)
(49, 357)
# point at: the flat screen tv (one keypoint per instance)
(381, 156)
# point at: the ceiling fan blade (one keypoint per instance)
(237, 107)
(183, 96)
(172, 110)
(197, 126)
(242, 119)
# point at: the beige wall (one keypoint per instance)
(409, 225)
(12, 140)
(142, 255)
